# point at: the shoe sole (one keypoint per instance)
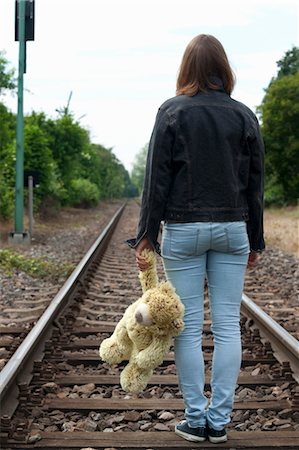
(189, 437)
(217, 440)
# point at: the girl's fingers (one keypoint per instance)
(141, 263)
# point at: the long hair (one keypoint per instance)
(203, 58)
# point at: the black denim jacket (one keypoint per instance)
(205, 163)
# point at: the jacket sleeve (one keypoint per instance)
(255, 191)
(158, 175)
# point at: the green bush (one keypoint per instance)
(35, 267)
(7, 180)
(83, 193)
(274, 195)
(7, 196)
(72, 170)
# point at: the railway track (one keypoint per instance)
(56, 393)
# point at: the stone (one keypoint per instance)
(256, 372)
(88, 448)
(132, 416)
(85, 388)
(120, 427)
(278, 422)
(146, 426)
(166, 415)
(161, 427)
(68, 426)
(95, 416)
(268, 425)
(237, 416)
(51, 429)
(62, 394)
(254, 427)
(245, 392)
(115, 419)
(276, 390)
(285, 413)
(34, 438)
(2, 363)
(286, 426)
(90, 425)
(36, 412)
(50, 387)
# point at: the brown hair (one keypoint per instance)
(203, 58)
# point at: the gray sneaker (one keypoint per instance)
(198, 434)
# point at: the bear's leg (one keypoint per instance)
(134, 379)
(114, 352)
(117, 347)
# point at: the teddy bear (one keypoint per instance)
(144, 334)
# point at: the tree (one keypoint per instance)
(289, 64)
(101, 167)
(7, 142)
(73, 171)
(139, 168)
(280, 117)
(7, 79)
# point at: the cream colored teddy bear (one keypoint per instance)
(144, 334)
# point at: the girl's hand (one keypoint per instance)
(141, 263)
(252, 259)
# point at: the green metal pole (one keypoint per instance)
(19, 200)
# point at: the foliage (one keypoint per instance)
(280, 117)
(69, 143)
(84, 193)
(104, 169)
(7, 127)
(7, 143)
(72, 170)
(36, 267)
(38, 157)
(7, 180)
(7, 80)
(289, 64)
(139, 168)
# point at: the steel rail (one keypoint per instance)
(20, 365)
(284, 345)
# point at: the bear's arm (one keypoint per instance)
(153, 355)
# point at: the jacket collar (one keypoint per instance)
(216, 80)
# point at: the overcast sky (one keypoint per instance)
(120, 58)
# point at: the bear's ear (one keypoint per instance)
(149, 278)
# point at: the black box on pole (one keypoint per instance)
(29, 20)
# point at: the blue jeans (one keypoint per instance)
(218, 250)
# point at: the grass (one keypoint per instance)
(35, 267)
(282, 229)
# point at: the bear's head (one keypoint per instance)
(161, 308)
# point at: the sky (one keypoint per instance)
(120, 58)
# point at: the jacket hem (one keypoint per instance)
(208, 215)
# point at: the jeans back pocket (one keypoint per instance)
(237, 238)
(179, 240)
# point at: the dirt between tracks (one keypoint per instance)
(65, 235)
(59, 241)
